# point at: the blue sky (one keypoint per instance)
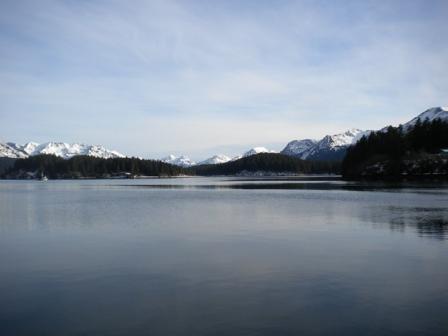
(150, 78)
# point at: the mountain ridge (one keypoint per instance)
(330, 147)
(60, 149)
(181, 161)
(215, 159)
(334, 147)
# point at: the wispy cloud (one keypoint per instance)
(149, 77)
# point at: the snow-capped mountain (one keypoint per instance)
(30, 147)
(60, 149)
(69, 150)
(330, 147)
(216, 159)
(182, 161)
(10, 152)
(27, 148)
(298, 147)
(221, 158)
(429, 115)
(333, 147)
(257, 150)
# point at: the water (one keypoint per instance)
(305, 256)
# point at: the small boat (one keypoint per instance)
(43, 178)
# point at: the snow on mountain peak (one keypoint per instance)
(327, 147)
(347, 138)
(429, 115)
(8, 150)
(257, 150)
(66, 150)
(60, 149)
(170, 157)
(100, 151)
(182, 161)
(30, 147)
(216, 159)
(297, 147)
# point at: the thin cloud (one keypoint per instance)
(219, 73)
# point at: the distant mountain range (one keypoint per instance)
(61, 149)
(215, 159)
(331, 147)
(181, 161)
(255, 151)
(185, 161)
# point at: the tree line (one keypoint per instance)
(92, 167)
(268, 162)
(87, 166)
(389, 150)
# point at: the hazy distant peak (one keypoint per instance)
(257, 150)
(216, 159)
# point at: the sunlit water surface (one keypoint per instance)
(217, 256)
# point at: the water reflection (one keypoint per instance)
(222, 257)
(426, 222)
(430, 222)
(300, 184)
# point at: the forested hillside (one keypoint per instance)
(88, 166)
(268, 163)
(6, 163)
(395, 152)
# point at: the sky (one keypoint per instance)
(150, 78)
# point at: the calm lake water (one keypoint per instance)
(217, 256)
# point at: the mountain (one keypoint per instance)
(257, 150)
(252, 151)
(60, 149)
(27, 148)
(429, 115)
(298, 147)
(330, 147)
(30, 147)
(67, 151)
(216, 159)
(181, 161)
(184, 161)
(220, 158)
(9, 151)
(333, 147)
(417, 149)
